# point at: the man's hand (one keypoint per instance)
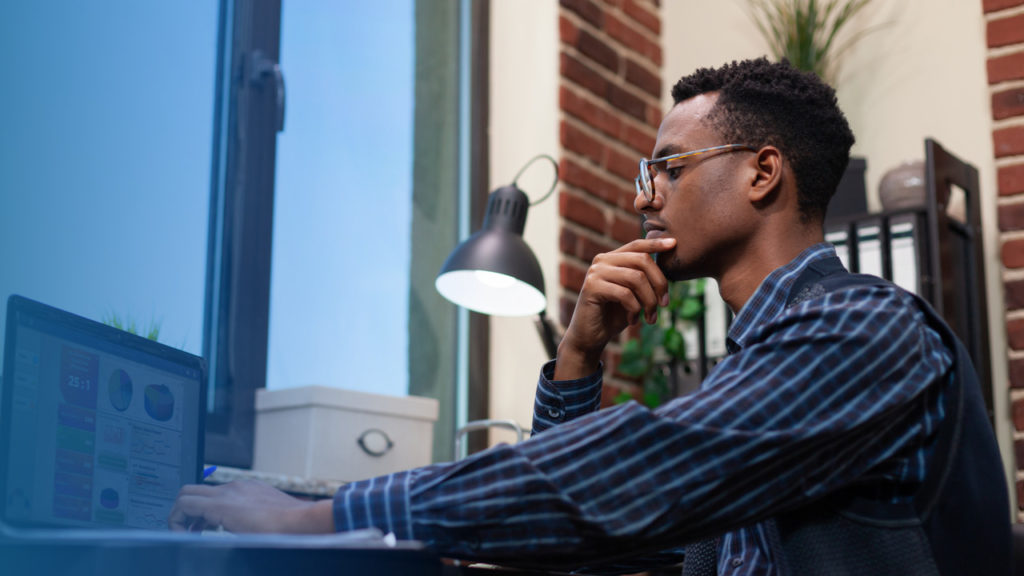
(621, 287)
(248, 506)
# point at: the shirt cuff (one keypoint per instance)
(381, 503)
(559, 401)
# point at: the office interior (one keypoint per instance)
(274, 185)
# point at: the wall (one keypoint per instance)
(580, 80)
(1005, 66)
(609, 95)
(523, 123)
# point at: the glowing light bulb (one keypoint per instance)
(494, 279)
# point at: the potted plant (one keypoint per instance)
(806, 32)
(657, 358)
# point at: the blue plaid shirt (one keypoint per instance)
(842, 388)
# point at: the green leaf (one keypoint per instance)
(633, 363)
(650, 338)
(692, 308)
(651, 400)
(674, 343)
(622, 398)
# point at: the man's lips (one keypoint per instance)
(653, 230)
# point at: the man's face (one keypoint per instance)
(700, 201)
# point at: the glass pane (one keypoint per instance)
(105, 159)
(343, 197)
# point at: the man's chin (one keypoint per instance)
(674, 269)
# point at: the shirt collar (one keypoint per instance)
(770, 297)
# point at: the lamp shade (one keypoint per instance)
(494, 271)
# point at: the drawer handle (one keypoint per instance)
(375, 442)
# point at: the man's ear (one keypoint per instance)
(767, 175)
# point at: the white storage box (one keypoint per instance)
(336, 434)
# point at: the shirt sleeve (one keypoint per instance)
(836, 390)
(566, 400)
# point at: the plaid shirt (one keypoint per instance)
(840, 389)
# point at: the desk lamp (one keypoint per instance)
(494, 271)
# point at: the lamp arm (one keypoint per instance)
(554, 183)
(547, 334)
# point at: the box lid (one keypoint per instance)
(405, 406)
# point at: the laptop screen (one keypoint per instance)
(98, 427)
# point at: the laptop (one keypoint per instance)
(99, 428)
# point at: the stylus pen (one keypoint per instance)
(208, 470)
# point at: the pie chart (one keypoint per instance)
(119, 388)
(159, 402)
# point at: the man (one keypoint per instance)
(843, 433)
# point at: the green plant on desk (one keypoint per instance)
(128, 324)
(655, 358)
(806, 32)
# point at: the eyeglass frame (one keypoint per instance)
(645, 183)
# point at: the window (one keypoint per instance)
(306, 303)
(104, 160)
(146, 179)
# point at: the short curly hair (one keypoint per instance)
(764, 103)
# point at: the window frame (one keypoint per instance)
(249, 111)
(246, 121)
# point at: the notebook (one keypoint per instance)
(99, 428)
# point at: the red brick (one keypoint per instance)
(653, 116)
(589, 111)
(621, 165)
(1005, 31)
(1008, 103)
(576, 140)
(1014, 297)
(1015, 333)
(642, 78)
(1011, 217)
(1013, 253)
(1011, 180)
(626, 229)
(589, 248)
(597, 50)
(993, 6)
(585, 76)
(1017, 377)
(633, 39)
(626, 101)
(626, 196)
(1009, 141)
(571, 276)
(1004, 68)
(1018, 415)
(585, 9)
(582, 212)
(582, 177)
(647, 17)
(567, 241)
(568, 33)
(640, 140)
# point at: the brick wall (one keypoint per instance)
(1005, 33)
(610, 107)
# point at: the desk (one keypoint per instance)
(120, 558)
(186, 559)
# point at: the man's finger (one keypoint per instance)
(648, 245)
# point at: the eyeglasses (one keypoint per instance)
(650, 168)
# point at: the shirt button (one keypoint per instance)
(737, 562)
(554, 413)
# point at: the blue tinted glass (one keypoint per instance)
(105, 159)
(343, 197)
